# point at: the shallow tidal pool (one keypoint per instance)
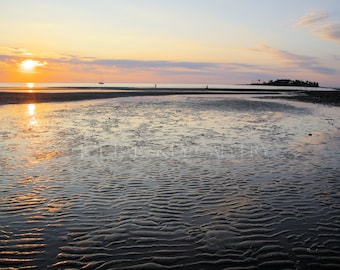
(180, 182)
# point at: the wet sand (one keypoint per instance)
(26, 97)
(77, 94)
(323, 97)
(170, 182)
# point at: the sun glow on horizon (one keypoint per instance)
(30, 85)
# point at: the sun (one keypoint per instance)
(29, 65)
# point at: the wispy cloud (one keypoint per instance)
(329, 32)
(15, 51)
(319, 24)
(145, 64)
(312, 18)
(296, 61)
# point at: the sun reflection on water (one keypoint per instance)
(31, 112)
(31, 109)
(30, 86)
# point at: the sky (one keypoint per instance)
(170, 41)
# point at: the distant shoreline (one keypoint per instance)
(20, 97)
(289, 82)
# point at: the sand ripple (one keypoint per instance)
(170, 183)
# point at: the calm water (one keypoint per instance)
(179, 182)
(48, 87)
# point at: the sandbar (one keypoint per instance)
(12, 97)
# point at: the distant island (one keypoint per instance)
(287, 82)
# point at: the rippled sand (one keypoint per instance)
(170, 182)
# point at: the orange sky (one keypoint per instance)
(175, 41)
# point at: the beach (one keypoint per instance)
(181, 135)
(169, 180)
(331, 97)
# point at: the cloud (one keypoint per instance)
(296, 61)
(156, 64)
(63, 67)
(329, 32)
(209, 72)
(290, 60)
(4, 57)
(312, 18)
(315, 20)
(285, 56)
(15, 51)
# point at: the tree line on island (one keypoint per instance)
(287, 82)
